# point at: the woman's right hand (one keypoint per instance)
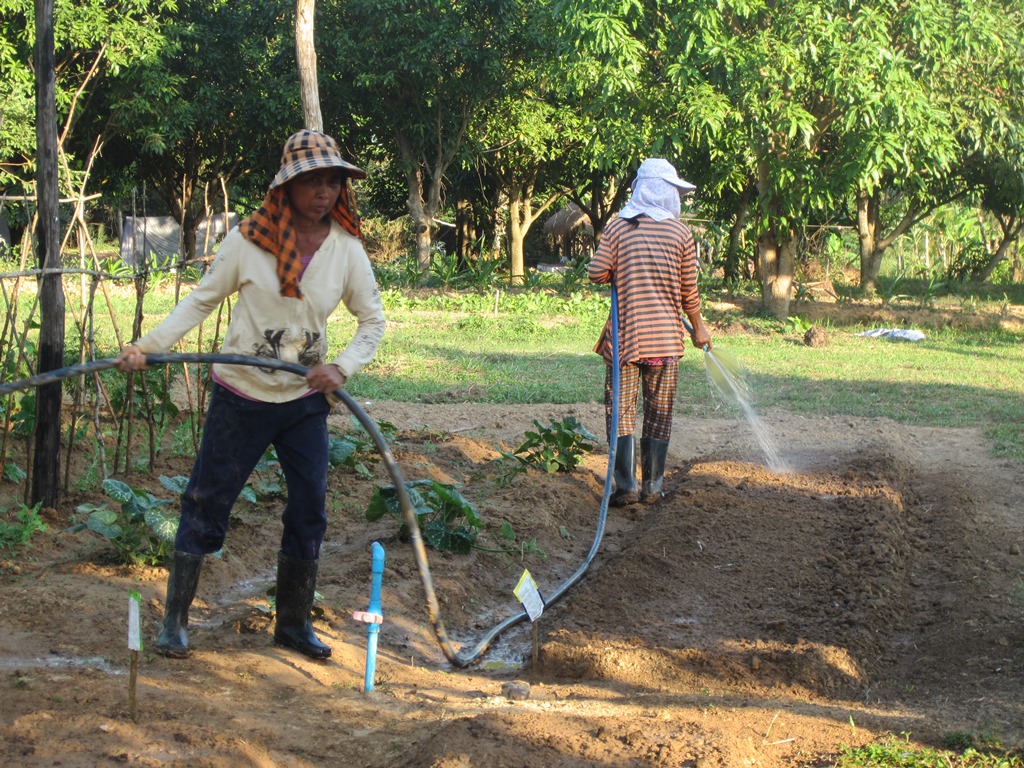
(131, 359)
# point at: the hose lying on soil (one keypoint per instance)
(467, 656)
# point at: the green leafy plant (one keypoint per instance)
(481, 273)
(355, 448)
(931, 289)
(13, 473)
(447, 521)
(575, 278)
(519, 548)
(900, 753)
(889, 293)
(799, 325)
(558, 447)
(268, 482)
(444, 266)
(141, 531)
(15, 533)
(19, 408)
(151, 397)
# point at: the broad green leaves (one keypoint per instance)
(447, 521)
(93, 39)
(142, 531)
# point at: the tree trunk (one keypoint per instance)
(465, 232)
(1011, 229)
(305, 53)
(46, 473)
(422, 218)
(867, 239)
(518, 210)
(777, 261)
(733, 272)
(872, 244)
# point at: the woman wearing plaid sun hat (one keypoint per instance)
(291, 264)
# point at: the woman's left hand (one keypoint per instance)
(325, 378)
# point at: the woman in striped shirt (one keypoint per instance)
(650, 257)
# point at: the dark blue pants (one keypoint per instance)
(235, 435)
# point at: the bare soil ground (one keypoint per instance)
(749, 619)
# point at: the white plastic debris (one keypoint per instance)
(901, 334)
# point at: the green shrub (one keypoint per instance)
(15, 533)
(447, 521)
(558, 447)
(141, 531)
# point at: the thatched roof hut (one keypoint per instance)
(564, 222)
(571, 227)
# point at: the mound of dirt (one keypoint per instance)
(749, 618)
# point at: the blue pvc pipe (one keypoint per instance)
(373, 630)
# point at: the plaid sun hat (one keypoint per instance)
(308, 151)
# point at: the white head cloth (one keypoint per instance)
(656, 191)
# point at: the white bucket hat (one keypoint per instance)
(656, 191)
(659, 168)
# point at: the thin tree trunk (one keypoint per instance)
(522, 217)
(516, 235)
(465, 232)
(422, 220)
(46, 478)
(872, 244)
(732, 253)
(1011, 229)
(305, 52)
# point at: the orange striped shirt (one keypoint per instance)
(653, 265)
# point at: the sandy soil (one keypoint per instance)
(750, 618)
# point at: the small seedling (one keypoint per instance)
(17, 532)
(558, 447)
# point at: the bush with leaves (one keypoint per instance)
(355, 448)
(16, 530)
(447, 521)
(558, 447)
(141, 531)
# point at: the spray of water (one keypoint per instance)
(726, 375)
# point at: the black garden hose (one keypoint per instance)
(462, 659)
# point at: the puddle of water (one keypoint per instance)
(60, 662)
(509, 652)
(726, 375)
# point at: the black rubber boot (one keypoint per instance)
(296, 588)
(625, 472)
(181, 591)
(652, 468)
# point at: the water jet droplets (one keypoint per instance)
(727, 377)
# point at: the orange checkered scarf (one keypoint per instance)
(272, 228)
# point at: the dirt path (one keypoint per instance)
(751, 618)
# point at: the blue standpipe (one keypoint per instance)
(372, 616)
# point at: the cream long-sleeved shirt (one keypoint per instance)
(266, 324)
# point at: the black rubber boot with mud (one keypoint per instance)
(181, 591)
(625, 473)
(296, 589)
(652, 468)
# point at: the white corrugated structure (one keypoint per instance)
(159, 237)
